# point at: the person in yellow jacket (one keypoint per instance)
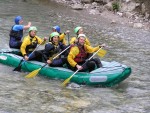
(61, 35)
(29, 43)
(79, 30)
(79, 53)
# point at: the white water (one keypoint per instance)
(41, 95)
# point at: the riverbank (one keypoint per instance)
(125, 16)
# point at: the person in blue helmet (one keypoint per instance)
(16, 32)
(61, 35)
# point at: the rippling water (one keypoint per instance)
(40, 95)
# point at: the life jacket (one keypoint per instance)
(32, 46)
(82, 56)
(16, 34)
(56, 49)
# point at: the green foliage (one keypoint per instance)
(115, 6)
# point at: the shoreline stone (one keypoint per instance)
(132, 11)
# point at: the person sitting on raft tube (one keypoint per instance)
(79, 53)
(53, 48)
(16, 32)
(29, 43)
(79, 30)
(61, 35)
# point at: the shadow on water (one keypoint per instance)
(126, 45)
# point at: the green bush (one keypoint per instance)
(115, 6)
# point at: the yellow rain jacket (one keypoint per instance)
(74, 51)
(29, 44)
(72, 41)
(62, 38)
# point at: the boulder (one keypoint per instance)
(87, 1)
(94, 11)
(108, 6)
(102, 2)
(77, 6)
(137, 25)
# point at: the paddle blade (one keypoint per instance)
(68, 79)
(66, 82)
(17, 68)
(102, 53)
(33, 73)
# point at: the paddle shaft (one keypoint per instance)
(68, 38)
(74, 73)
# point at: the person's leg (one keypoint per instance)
(64, 60)
(85, 66)
(91, 65)
(36, 55)
(57, 63)
(39, 56)
(31, 56)
(15, 45)
(98, 62)
(18, 45)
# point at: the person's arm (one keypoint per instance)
(40, 40)
(87, 42)
(72, 54)
(64, 41)
(24, 44)
(48, 48)
(91, 49)
(27, 26)
(73, 40)
(62, 38)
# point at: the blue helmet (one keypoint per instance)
(57, 28)
(17, 19)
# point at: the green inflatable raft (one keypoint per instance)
(110, 74)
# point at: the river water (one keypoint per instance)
(41, 95)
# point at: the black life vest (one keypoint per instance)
(56, 49)
(16, 34)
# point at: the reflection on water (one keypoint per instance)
(42, 95)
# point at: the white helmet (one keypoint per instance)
(81, 35)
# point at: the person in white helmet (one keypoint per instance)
(79, 54)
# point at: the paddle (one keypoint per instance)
(102, 53)
(68, 79)
(18, 68)
(68, 38)
(35, 72)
